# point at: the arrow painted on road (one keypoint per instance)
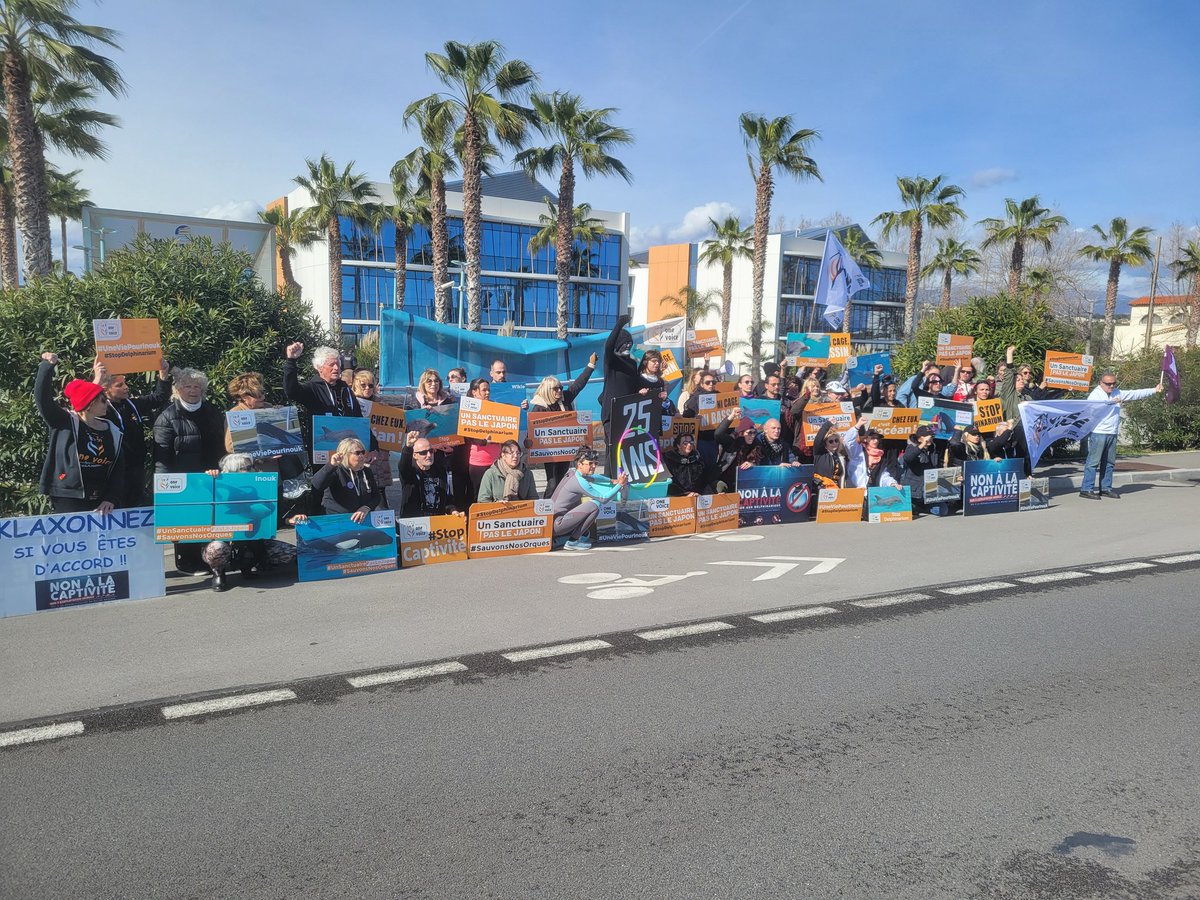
(778, 566)
(823, 563)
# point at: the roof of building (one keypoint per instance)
(1161, 301)
(641, 258)
(818, 233)
(509, 186)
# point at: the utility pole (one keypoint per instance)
(1153, 292)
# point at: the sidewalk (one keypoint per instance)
(1067, 475)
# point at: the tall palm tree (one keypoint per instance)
(293, 229)
(859, 245)
(1187, 267)
(434, 119)
(771, 144)
(1041, 280)
(1025, 221)
(334, 194)
(927, 202)
(67, 200)
(1121, 247)
(10, 259)
(579, 135)
(952, 258)
(483, 88)
(586, 230)
(409, 207)
(41, 42)
(730, 242)
(692, 304)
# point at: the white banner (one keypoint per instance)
(1047, 421)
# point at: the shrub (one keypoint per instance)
(1152, 424)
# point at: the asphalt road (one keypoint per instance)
(1033, 745)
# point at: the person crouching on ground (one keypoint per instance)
(506, 479)
(576, 500)
(348, 484)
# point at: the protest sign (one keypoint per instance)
(1068, 371)
(623, 521)
(190, 507)
(1033, 493)
(717, 512)
(889, 504)
(128, 345)
(72, 559)
(634, 424)
(485, 420)
(1047, 421)
(338, 547)
(555, 436)
(263, 433)
(894, 422)
(953, 348)
(769, 495)
(388, 424)
(670, 367)
(713, 409)
(945, 416)
(705, 342)
(329, 431)
(863, 365)
(991, 485)
(817, 414)
(665, 333)
(804, 349)
(988, 414)
(674, 426)
(511, 528)
(429, 540)
(943, 485)
(840, 505)
(672, 516)
(439, 425)
(759, 412)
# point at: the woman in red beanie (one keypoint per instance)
(84, 470)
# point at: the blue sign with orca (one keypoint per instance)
(330, 547)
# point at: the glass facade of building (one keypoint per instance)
(876, 320)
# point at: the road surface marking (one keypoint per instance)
(40, 733)
(1186, 557)
(556, 650)
(1053, 576)
(876, 602)
(221, 704)
(395, 675)
(1121, 567)
(976, 588)
(787, 614)
(662, 634)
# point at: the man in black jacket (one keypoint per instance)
(325, 394)
(621, 377)
(132, 415)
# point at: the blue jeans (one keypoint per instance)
(1102, 454)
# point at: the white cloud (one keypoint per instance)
(692, 227)
(993, 176)
(237, 210)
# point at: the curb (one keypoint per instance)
(1059, 483)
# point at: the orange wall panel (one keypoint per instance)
(669, 271)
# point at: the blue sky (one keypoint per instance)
(1093, 105)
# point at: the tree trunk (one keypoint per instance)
(946, 289)
(289, 277)
(764, 189)
(401, 264)
(472, 202)
(1016, 266)
(914, 278)
(1193, 326)
(441, 247)
(1110, 305)
(726, 300)
(28, 168)
(9, 257)
(335, 279)
(564, 241)
(62, 224)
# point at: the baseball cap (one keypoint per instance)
(836, 387)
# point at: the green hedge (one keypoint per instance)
(1153, 424)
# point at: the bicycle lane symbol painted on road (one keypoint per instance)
(614, 586)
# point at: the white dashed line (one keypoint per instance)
(788, 614)
(40, 733)
(556, 650)
(875, 602)
(222, 704)
(1186, 557)
(395, 675)
(976, 588)
(662, 634)
(1053, 576)
(1122, 567)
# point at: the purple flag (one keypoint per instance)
(1170, 376)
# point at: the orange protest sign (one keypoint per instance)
(555, 436)
(713, 409)
(953, 348)
(717, 512)
(705, 342)
(895, 422)
(127, 345)
(510, 529)
(674, 426)
(840, 505)
(670, 367)
(599, 444)
(672, 516)
(817, 414)
(387, 424)
(485, 420)
(1068, 371)
(428, 540)
(839, 347)
(726, 387)
(988, 414)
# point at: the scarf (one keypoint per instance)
(874, 455)
(512, 478)
(190, 407)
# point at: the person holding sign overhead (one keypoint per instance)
(551, 396)
(132, 415)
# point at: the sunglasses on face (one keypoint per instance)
(1109, 383)
(422, 452)
(708, 383)
(358, 453)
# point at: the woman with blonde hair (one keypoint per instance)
(347, 482)
(691, 387)
(429, 392)
(366, 389)
(552, 397)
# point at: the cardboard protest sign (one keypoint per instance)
(805, 349)
(329, 431)
(992, 485)
(338, 547)
(817, 414)
(623, 521)
(895, 422)
(388, 424)
(634, 424)
(717, 512)
(759, 412)
(863, 365)
(263, 433)
(943, 485)
(555, 436)
(511, 528)
(889, 504)
(429, 540)
(73, 559)
(670, 367)
(190, 507)
(773, 494)
(672, 516)
(954, 348)
(439, 425)
(726, 387)
(945, 416)
(599, 444)
(1033, 493)
(713, 409)
(1068, 371)
(705, 342)
(128, 345)
(665, 333)
(674, 426)
(485, 420)
(988, 414)
(840, 505)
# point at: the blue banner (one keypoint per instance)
(992, 485)
(338, 547)
(773, 494)
(863, 365)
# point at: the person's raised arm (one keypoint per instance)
(43, 393)
(581, 380)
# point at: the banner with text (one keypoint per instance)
(945, 416)
(263, 433)
(817, 414)
(992, 485)
(894, 422)
(429, 540)
(672, 516)
(953, 348)
(769, 495)
(388, 424)
(555, 436)
(338, 547)
(126, 346)
(190, 507)
(510, 529)
(1068, 371)
(439, 425)
(485, 420)
(717, 512)
(1047, 421)
(840, 505)
(889, 504)
(988, 414)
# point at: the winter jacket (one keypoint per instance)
(491, 486)
(689, 474)
(62, 475)
(188, 441)
(829, 467)
(319, 398)
(428, 489)
(778, 455)
(621, 376)
(960, 450)
(732, 453)
(132, 416)
(346, 491)
(913, 463)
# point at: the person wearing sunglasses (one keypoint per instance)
(347, 484)
(1102, 442)
(919, 385)
(424, 474)
(577, 500)
(551, 396)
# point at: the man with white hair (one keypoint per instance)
(1102, 442)
(325, 394)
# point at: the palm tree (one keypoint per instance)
(41, 42)
(585, 229)
(927, 202)
(1024, 221)
(293, 229)
(67, 200)
(435, 121)
(693, 305)
(771, 145)
(1121, 247)
(1040, 280)
(1187, 267)
(334, 194)
(859, 245)
(952, 258)
(765, 334)
(409, 207)
(730, 242)
(483, 90)
(579, 135)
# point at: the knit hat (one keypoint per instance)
(81, 393)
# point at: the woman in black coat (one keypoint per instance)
(551, 396)
(347, 484)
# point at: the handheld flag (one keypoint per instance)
(839, 280)
(1046, 421)
(1170, 374)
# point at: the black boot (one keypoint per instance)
(218, 582)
